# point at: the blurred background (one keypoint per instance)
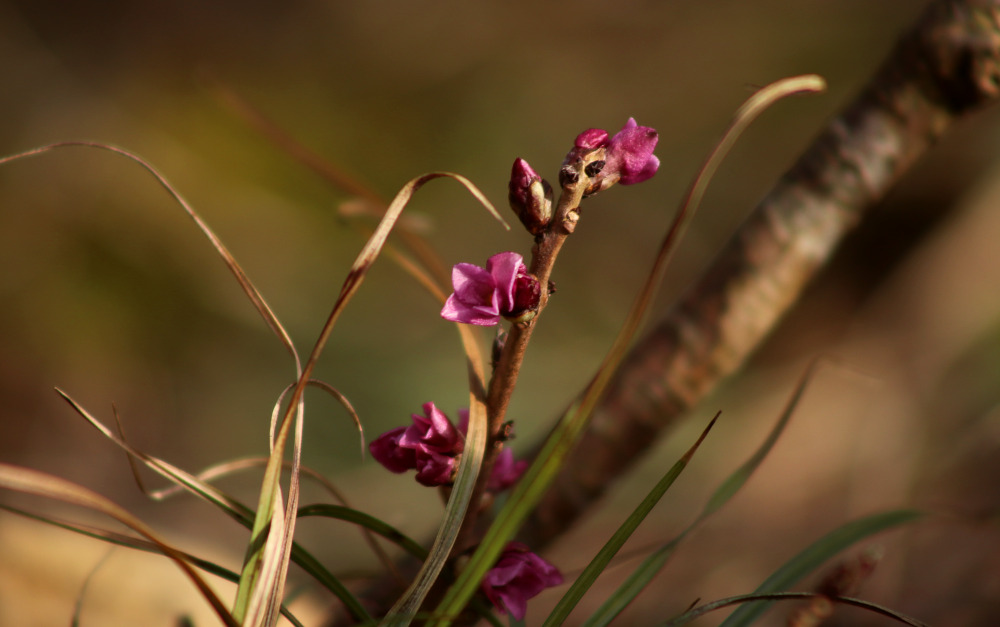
(110, 293)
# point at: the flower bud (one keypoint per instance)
(530, 197)
(526, 296)
(625, 158)
(591, 139)
(630, 155)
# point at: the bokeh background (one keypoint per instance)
(109, 292)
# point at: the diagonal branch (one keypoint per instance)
(942, 70)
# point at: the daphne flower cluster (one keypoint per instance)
(503, 289)
(432, 446)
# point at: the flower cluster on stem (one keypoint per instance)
(509, 289)
(432, 446)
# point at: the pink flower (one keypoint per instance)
(506, 471)
(630, 154)
(518, 576)
(628, 157)
(431, 446)
(482, 296)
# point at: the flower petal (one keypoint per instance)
(387, 451)
(518, 576)
(504, 268)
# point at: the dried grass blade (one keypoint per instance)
(251, 586)
(248, 287)
(367, 201)
(41, 484)
(170, 472)
(332, 391)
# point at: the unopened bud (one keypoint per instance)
(527, 294)
(530, 197)
(591, 139)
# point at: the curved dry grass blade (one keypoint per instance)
(168, 471)
(335, 393)
(138, 544)
(744, 116)
(41, 484)
(540, 474)
(238, 511)
(691, 615)
(370, 200)
(430, 270)
(261, 123)
(252, 588)
(248, 288)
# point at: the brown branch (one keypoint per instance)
(946, 67)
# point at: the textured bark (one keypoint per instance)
(946, 67)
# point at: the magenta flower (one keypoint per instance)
(482, 296)
(630, 154)
(628, 157)
(431, 446)
(506, 471)
(518, 576)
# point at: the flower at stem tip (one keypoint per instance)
(482, 296)
(518, 576)
(628, 156)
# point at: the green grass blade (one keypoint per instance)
(815, 555)
(368, 522)
(635, 584)
(637, 581)
(596, 566)
(738, 479)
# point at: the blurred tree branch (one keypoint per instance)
(946, 67)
